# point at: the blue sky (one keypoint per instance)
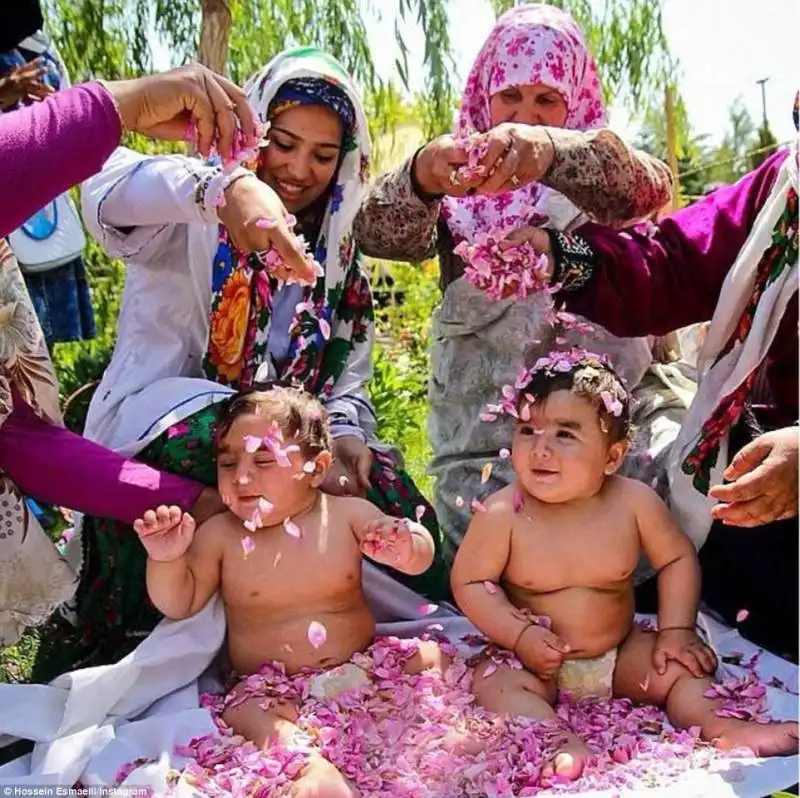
(723, 47)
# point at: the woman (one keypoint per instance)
(197, 321)
(37, 455)
(731, 258)
(532, 86)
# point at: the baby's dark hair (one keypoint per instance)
(299, 415)
(590, 377)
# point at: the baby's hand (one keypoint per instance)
(686, 647)
(541, 651)
(166, 533)
(389, 541)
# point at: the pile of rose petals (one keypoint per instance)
(422, 735)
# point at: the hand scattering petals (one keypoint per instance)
(317, 634)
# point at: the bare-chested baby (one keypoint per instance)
(562, 544)
(290, 576)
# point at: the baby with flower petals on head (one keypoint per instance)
(286, 560)
(546, 572)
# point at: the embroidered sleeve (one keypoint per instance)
(394, 222)
(612, 182)
(574, 261)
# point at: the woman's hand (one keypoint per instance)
(165, 106)
(436, 165)
(537, 238)
(516, 155)
(349, 474)
(762, 483)
(249, 201)
(24, 84)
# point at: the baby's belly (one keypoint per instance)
(592, 621)
(308, 639)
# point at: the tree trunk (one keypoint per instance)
(215, 32)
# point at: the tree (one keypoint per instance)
(113, 38)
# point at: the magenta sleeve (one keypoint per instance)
(653, 283)
(50, 146)
(53, 465)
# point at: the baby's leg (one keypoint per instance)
(514, 691)
(429, 657)
(682, 695)
(319, 779)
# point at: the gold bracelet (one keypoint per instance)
(519, 636)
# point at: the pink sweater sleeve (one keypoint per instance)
(53, 465)
(50, 146)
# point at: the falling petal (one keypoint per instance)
(427, 609)
(265, 507)
(419, 512)
(317, 634)
(486, 472)
(459, 501)
(478, 506)
(525, 413)
(251, 443)
(250, 525)
(742, 616)
(291, 528)
(247, 546)
(504, 454)
(325, 329)
(264, 223)
(491, 588)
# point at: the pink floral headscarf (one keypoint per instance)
(530, 44)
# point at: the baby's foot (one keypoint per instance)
(763, 739)
(568, 763)
(321, 779)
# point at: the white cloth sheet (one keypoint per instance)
(89, 723)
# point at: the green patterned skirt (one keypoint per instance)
(113, 611)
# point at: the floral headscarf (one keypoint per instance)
(332, 322)
(530, 44)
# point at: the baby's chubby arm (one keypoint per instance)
(674, 557)
(400, 543)
(477, 571)
(183, 564)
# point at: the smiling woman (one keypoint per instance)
(201, 318)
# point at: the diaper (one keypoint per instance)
(341, 679)
(588, 678)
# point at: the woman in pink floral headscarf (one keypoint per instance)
(534, 94)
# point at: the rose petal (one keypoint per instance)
(504, 454)
(419, 512)
(247, 545)
(252, 443)
(459, 501)
(317, 634)
(486, 473)
(265, 507)
(478, 506)
(742, 616)
(325, 329)
(427, 609)
(491, 588)
(291, 528)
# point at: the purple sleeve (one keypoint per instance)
(651, 284)
(50, 146)
(53, 465)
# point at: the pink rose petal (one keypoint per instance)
(252, 443)
(291, 528)
(486, 473)
(248, 547)
(264, 223)
(427, 609)
(491, 588)
(419, 512)
(478, 506)
(504, 454)
(317, 634)
(265, 507)
(742, 616)
(325, 329)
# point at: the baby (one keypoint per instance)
(546, 572)
(286, 560)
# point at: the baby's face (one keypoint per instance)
(249, 471)
(561, 453)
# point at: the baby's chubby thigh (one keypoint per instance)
(428, 657)
(511, 689)
(246, 715)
